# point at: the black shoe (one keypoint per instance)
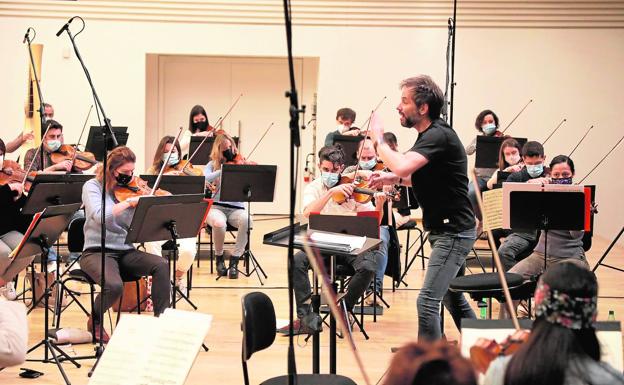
(221, 269)
(233, 269)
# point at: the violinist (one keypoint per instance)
(52, 142)
(198, 126)
(186, 246)
(509, 160)
(486, 124)
(12, 228)
(344, 119)
(562, 348)
(121, 257)
(317, 198)
(221, 213)
(519, 244)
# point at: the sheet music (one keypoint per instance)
(352, 241)
(493, 209)
(162, 349)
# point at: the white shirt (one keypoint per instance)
(316, 189)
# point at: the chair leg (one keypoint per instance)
(245, 373)
(119, 309)
(198, 248)
(138, 292)
(211, 256)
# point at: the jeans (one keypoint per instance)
(515, 247)
(472, 195)
(446, 261)
(381, 256)
(219, 217)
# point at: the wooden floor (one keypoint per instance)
(221, 365)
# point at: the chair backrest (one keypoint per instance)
(258, 323)
(75, 235)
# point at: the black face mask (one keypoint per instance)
(200, 126)
(228, 155)
(123, 179)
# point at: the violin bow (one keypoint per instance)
(553, 131)
(166, 162)
(80, 137)
(601, 160)
(499, 265)
(221, 119)
(260, 140)
(367, 121)
(327, 290)
(32, 162)
(518, 114)
(580, 141)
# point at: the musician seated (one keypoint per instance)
(121, 257)
(486, 124)
(519, 243)
(344, 119)
(426, 363)
(198, 126)
(317, 198)
(12, 228)
(368, 162)
(221, 213)
(509, 161)
(562, 348)
(186, 246)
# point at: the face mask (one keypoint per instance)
(173, 159)
(561, 180)
(123, 179)
(369, 164)
(535, 170)
(200, 126)
(330, 179)
(54, 145)
(342, 128)
(228, 155)
(513, 159)
(489, 129)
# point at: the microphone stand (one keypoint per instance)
(295, 142)
(107, 133)
(39, 94)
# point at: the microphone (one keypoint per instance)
(26, 36)
(65, 27)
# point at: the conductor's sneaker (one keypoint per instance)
(310, 324)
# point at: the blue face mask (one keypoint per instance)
(535, 170)
(54, 145)
(567, 180)
(173, 159)
(368, 164)
(330, 178)
(489, 129)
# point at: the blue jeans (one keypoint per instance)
(472, 195)
(446, 261)
(381, 256)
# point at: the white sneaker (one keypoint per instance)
(8, 291)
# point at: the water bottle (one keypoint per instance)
(482, 305)
(611, 315)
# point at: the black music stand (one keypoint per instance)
(248, 183)
(41, 235)
(178, 184)
(95, 140)
(547, 210)
(53, 190)
(350, 145)
(158, 218)
(488, 148)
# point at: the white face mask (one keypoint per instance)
(173, 159)
(513, 159)
(342, 128)
(1, 162)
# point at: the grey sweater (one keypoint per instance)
(116, 226)
(562, 244)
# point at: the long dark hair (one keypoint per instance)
(552, 349)
(160, 150)
(197, 110)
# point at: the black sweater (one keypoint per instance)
(12, 218)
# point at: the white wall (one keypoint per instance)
(571, 73)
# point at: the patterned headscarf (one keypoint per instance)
(560, 308)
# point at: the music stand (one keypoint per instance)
(95, 140)
(488, 148)
(350, 145)
(171, 217)
(178, 184)
(53, 190)
(248, 183)
(547, 210)
(44, 230)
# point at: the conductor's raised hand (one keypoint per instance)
(378, 179)
(376, 129)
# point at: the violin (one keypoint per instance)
(82, 160)
(12, 172)
(239, 159)
(361, 193)
(486, 350)
(137, 187)
(185, 167)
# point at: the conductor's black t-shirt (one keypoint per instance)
(441, 186)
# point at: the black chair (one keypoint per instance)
(259, 333)
(420, 251)
(229, 229)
